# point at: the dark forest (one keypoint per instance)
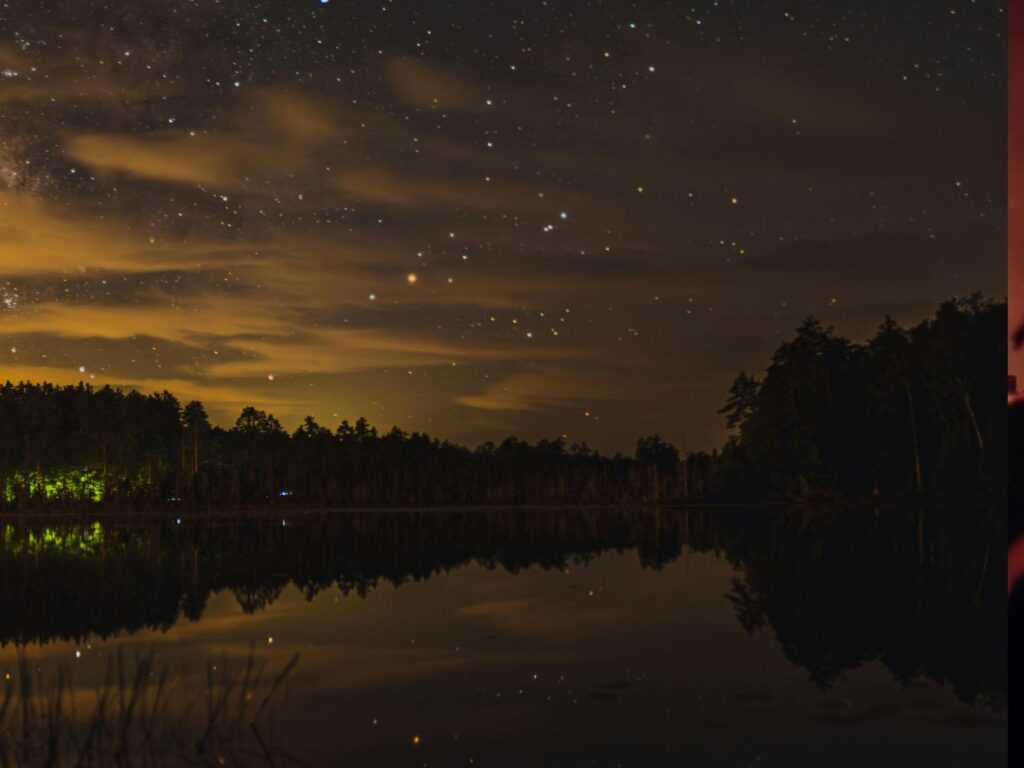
(915, 412)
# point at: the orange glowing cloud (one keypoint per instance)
(272, 135)
(428, 86)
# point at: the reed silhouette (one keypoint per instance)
(140, 716)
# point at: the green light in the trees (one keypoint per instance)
(70, 484)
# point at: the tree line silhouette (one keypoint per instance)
(1015, 441)
(838, 590)
(911, 412)
(918, 411)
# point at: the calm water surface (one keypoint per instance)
(546, 637)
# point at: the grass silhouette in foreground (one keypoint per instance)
(140, 718)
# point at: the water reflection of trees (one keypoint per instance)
(836, 589)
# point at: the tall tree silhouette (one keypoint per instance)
(914, 411)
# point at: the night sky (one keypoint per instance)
(485, 218)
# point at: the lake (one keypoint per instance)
(633, 637)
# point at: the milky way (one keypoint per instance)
(478, 219)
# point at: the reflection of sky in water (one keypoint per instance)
(603, 664)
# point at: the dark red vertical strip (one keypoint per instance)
(1015, 162)
(1015, 289)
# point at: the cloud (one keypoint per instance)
(104, 286)
(39, 237)
(207, 316)
(128, 357)
(51, 82)
(549, 387)
(171, 156)
(44, 93)
(429, 86)
(273, 135)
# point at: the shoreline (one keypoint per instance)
(269, 512)
(242, 514)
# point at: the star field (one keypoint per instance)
(484, 218)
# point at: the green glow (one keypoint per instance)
(79, 540)
(68, 484)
